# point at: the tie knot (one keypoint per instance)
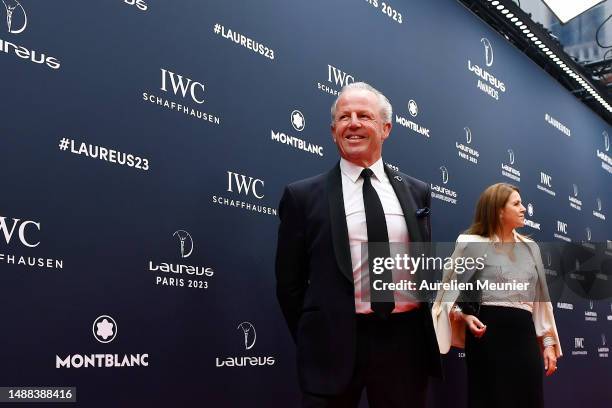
(366, 173)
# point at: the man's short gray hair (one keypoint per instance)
(386, 110)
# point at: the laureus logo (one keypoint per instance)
(297, 120)
(16, 17)
(603, 339)
(598, 204)
(444, 171)
(548, 259)
(511, 156)
(186, 242)
(250, 335)
(588, 234)
(606, 141)
(488, 51)
(575, 187)
(468, 135)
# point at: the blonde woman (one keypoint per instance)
(510, 336)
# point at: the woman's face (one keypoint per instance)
(513, 214)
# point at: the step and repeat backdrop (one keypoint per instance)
(144, 147)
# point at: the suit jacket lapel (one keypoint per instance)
(406, 199)
(337, 216)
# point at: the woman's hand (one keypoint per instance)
(476, 327)
(550, 360)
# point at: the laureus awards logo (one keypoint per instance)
(488, 51)
(248, 339)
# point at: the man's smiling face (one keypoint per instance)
(359, 129)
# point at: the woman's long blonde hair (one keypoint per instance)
(486, 219)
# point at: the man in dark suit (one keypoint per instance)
(349, 338)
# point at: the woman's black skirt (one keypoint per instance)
(505, 367)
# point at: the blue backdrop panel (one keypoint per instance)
(145, 145)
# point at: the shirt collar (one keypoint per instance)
(353, 171)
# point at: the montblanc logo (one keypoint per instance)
(531, 223)
(297, 120)
(189, 92)
(545, 184)
(26, 233)
(186, 242)
(16, 17)
(440, 191)
(179, 274)
(465, 151)
(597, 213)
(104, 330)
(248, 337)
(488, 51)
(244, 185)
(413, 110)
(508, 171)
(337, 78)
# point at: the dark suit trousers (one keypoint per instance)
(390, 365)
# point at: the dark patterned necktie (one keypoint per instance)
(382, 302)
